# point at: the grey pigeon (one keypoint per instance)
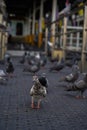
(80, 86)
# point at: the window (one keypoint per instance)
(19, 29)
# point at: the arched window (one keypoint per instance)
(19, 29)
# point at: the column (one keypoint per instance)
(53, 25)
(1, 19)
(40, 24)
(29, 27)
(70, 39)
(83, 56)
(46, 39)
(33, 24)
(78, 40)
(64, 36)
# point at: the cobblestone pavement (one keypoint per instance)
(60, 110)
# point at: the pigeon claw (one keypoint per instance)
(32, 106)
(80, 97)
(38, 107)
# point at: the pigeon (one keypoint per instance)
(75, 67)
(3, 77)
(70, 63)
(32, 68)
(80, 86)
(72, 77)
(57, 67)
(2, 73)
(9, 67)
(23, 58)
(42, 79)
(66, 10)
(43, 61)
(37, 92)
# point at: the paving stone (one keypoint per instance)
(59, 110)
